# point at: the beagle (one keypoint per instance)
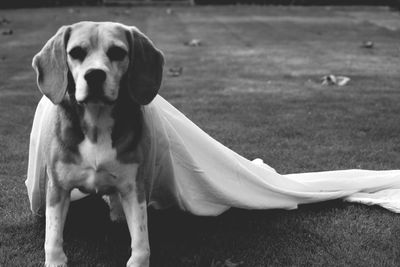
(98, 75)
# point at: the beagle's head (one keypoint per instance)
(96, 60)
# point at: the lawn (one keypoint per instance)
(254, 85)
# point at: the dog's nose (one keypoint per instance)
(95, 77)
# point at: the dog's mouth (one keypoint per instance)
(97, 100)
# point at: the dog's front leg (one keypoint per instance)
(57, 203)
(135, 209)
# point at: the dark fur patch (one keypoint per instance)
(53, 187)
(143, 228)
(40, 73)
(127, 128)
(68, 131)
(54, 198)
(90, 131)
(140, 187)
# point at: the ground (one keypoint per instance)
(255, 85)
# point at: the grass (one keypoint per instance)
(255, 86)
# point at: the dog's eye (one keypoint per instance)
(77, 53)
(116, 53)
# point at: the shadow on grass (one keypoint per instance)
(258, 238)
(181, 239)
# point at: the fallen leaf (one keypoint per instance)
(194, 42)
(175, 71)
(335, 80)
(367, 44)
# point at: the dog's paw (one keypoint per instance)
(55, 258)
(139, 259)
(58, 263)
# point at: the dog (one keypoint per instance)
(98, 76)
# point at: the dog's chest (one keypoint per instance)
(97, 149)
(98, 169)
(99, 152)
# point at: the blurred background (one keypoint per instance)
(43, 3)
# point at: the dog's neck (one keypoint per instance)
(122, 120)
(96, 121)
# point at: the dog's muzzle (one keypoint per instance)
(95, 79)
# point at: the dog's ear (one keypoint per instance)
(51, 66)
(145, 70)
